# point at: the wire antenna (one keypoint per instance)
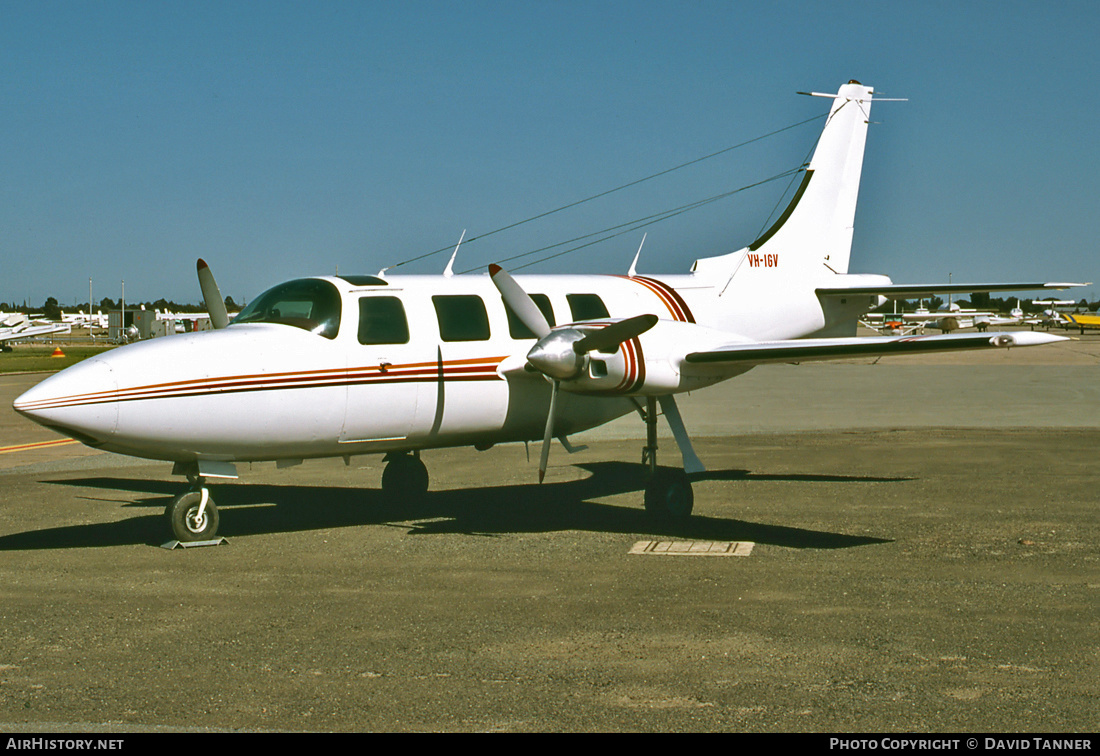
(611, 191)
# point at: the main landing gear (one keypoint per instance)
(668, 494)
(405, 477)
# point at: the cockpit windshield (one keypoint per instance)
(308, 303)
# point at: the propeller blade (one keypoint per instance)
(549, 434)
(615, 334)
(215, 305)
(518, 300)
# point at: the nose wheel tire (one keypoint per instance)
(668, 496)
(189, 520)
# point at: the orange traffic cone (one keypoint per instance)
(57, 353)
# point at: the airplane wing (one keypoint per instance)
(928, 290)
(32, 331)
(924, 317)
(804, 350)
(996, 320)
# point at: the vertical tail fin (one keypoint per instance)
(815, 231)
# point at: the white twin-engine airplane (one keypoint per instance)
(340, 366)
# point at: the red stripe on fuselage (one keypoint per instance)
(634, 368)
(671, 299)
(482, 369)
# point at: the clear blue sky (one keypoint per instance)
(281, 139)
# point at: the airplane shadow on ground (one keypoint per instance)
(486, 511)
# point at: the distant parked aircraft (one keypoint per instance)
(1081, 320)
(18, 326)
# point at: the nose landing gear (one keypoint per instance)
(192, 516)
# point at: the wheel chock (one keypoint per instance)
(192, 544)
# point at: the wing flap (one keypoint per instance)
(804, 350)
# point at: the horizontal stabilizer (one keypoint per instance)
(927, 290)
(804, 350)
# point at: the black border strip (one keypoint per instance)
(786, 213)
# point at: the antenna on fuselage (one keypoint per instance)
(449, 270)
(634, 265)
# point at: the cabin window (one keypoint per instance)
(517, 329)
(307, 303)
(382, 321)
(586, 307)
(462, 317)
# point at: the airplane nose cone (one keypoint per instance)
(80, 402)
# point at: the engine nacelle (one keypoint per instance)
(651, 364)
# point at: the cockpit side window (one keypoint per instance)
(382, 321)
(310, 304)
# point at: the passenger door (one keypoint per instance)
(471, 399)
(383, 377)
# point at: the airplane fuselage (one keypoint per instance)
(451, 373)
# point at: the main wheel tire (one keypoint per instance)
(183, 517)
(405, 478)
(668, 496)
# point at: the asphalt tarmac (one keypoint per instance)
(921, 544)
